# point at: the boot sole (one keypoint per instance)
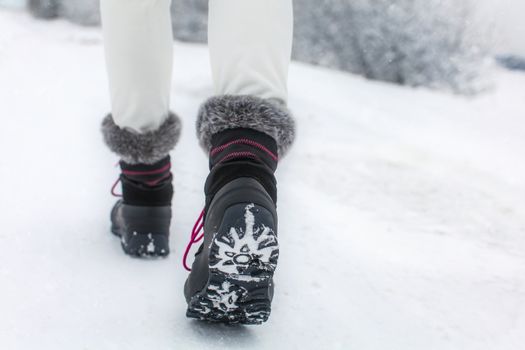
(145, 231)
(241, 267)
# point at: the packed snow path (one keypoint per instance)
(402, 216)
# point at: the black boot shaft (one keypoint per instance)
(237, 153)
(142, 218)
(147, 184)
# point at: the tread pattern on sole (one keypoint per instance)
(242, 261)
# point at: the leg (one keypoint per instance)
(139, 54)
(245, 127)
(141, 130)
(250, 46)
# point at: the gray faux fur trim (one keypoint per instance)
(147, 148)
(269, 116)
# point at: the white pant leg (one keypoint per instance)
(139, 53)
(250, 46)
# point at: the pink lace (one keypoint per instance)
(113, 188)
(151, 172)
(196, 236)
(197, 233)
(238, 155)
(247, 142)
(149, 183)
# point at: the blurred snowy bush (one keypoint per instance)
(43, 8)
(434, 43)
(189, 24)
(85, 12)
(440, 44)
(511, 62)
(190, 20)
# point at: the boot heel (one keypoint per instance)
(242, 260)
(143, 231)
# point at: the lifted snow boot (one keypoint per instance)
(231, 279)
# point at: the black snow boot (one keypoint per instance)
(232, 276)
(231, 279)
(142, 217)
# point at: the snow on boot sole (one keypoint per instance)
(143, 231)
(242, 259)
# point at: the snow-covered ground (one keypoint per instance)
(402, 215)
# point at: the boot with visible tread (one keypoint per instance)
(231, 279)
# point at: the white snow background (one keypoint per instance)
(402, 215)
